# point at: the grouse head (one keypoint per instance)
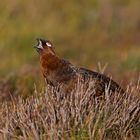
(44, 46)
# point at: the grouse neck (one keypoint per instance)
(49, 61)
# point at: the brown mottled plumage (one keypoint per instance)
(61, 72)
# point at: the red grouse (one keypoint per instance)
(59, 71)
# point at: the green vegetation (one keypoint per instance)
(86, 32)
(99, 30)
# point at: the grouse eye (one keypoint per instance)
(48, 44)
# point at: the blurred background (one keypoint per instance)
(88, 33)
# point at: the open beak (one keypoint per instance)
(39, 46)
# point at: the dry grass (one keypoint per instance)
(56, 115)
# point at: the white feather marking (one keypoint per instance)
(48, 44)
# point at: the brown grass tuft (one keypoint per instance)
(78, 115)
